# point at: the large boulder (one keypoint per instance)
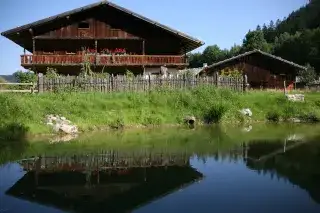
(61, 124)
(246, 112)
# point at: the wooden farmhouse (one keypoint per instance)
(263, 70)
(109, 37)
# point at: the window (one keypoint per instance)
(83, 25)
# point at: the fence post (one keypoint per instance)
(245, 82)
(149, 80)
(112, 86)
(40, 83)
(32, 88)
(216, 75)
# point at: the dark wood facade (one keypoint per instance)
(262, 69)
(103, 34)
(90, 28)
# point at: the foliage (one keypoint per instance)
(273, 116)
(255, 40)
(213, 53)
(307, 76)
(101, 75)
(25, 76)
(92, 110)
(51, 73)
(86, 67)
(215, 113)
(195, 60)
(129, 74)
(231, 72)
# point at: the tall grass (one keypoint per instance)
(92, 110)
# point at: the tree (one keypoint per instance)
(213, 54)
(25, 76)
(271, 25)
(258, 28)
(307, 76)
(234, 50)
(278, 22)
(195, 60)
(264, 29)
(255, 40)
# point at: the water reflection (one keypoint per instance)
(295, 161)
(125, 180)
(110, 180)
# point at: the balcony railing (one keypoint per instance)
(116, 60)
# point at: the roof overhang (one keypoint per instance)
(277, 59)
(26, 32)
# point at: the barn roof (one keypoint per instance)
(277, 59)
(190, 42)
(113, 193)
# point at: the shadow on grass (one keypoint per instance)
(13, 141)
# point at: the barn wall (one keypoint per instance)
(96, 29)
(259, 77)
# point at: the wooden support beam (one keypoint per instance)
(185, 54)
(33, 45)
(143, 47)
(96, 53)
(33, 51)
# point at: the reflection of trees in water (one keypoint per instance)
(298, 165)
(13, 141)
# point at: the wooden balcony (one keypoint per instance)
(116, 60)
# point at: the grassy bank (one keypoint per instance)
(92, 110)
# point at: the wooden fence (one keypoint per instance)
(18, 87)
(136, 83)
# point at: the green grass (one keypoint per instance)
(93, 110)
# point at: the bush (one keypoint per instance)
(309, 117)
(273, 116)
(215, 113)
(25, 77)
(307, 76)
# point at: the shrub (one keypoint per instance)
(51, 73)
(273, 116)
(25, 77)
(309, 117)
(215, 113)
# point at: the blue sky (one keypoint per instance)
(221, 22)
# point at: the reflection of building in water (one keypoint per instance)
(293, 161)
(259, 150)
(106, 182)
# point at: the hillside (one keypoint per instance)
(296, 38)
(9, 78)
(307, 17)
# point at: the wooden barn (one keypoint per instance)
(263, 70)
(109, 37)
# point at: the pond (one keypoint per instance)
(260, 168)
